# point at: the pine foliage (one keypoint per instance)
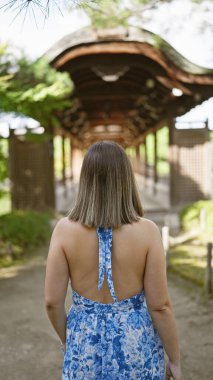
(32, 88)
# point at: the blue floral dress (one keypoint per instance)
(113, 341)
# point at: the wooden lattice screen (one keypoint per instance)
(32, 174)
(191, 165)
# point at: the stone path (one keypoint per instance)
(29, 348)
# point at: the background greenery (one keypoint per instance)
(111, 13)
(32, 88)
(58, 155)
(20, 231)
(188, 260)
(190, 215)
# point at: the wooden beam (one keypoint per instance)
(131, 48)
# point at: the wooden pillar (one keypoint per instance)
(63, 159)
(146, 158)
(71, 159)
(155, 162)
(172, 159)
(137, 151)
(12, 168)
(50, 167)
(77, 159)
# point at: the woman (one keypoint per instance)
(121, 318)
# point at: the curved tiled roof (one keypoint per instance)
(124, 83)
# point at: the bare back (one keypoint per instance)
(129, 250)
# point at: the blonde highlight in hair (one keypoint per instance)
(107, 193)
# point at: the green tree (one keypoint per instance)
(32, 88)
(103, 13)
(111, 13)
(107, 14)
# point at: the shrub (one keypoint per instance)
(190, 215)
(20, 230)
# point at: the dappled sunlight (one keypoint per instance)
(190, 262)
(16, 270)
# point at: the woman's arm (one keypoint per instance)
(56, 282)
(158, 302)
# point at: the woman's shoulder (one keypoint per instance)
(147, 224)
(143, 224)
(150, 233)
(65, 224)
(143, 230)
(148, 229)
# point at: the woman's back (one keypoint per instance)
(110, 335)
(116, 263)
(130, 244)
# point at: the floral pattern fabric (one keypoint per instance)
(105, 265)
(114, 341)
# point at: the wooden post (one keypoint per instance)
(11, 167)
(173, 158)
(137, 150)
(50, 170)
(63, 159)
(155, 162)
(208, 274)
(146, 158)
(71, 159)
(165, 239)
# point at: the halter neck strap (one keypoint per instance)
(105, 264)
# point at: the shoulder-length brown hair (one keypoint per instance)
(107, 193)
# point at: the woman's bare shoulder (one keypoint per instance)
(149, 229)
(151, 235)
(148, 224)
(71, 226)
(64, 224)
